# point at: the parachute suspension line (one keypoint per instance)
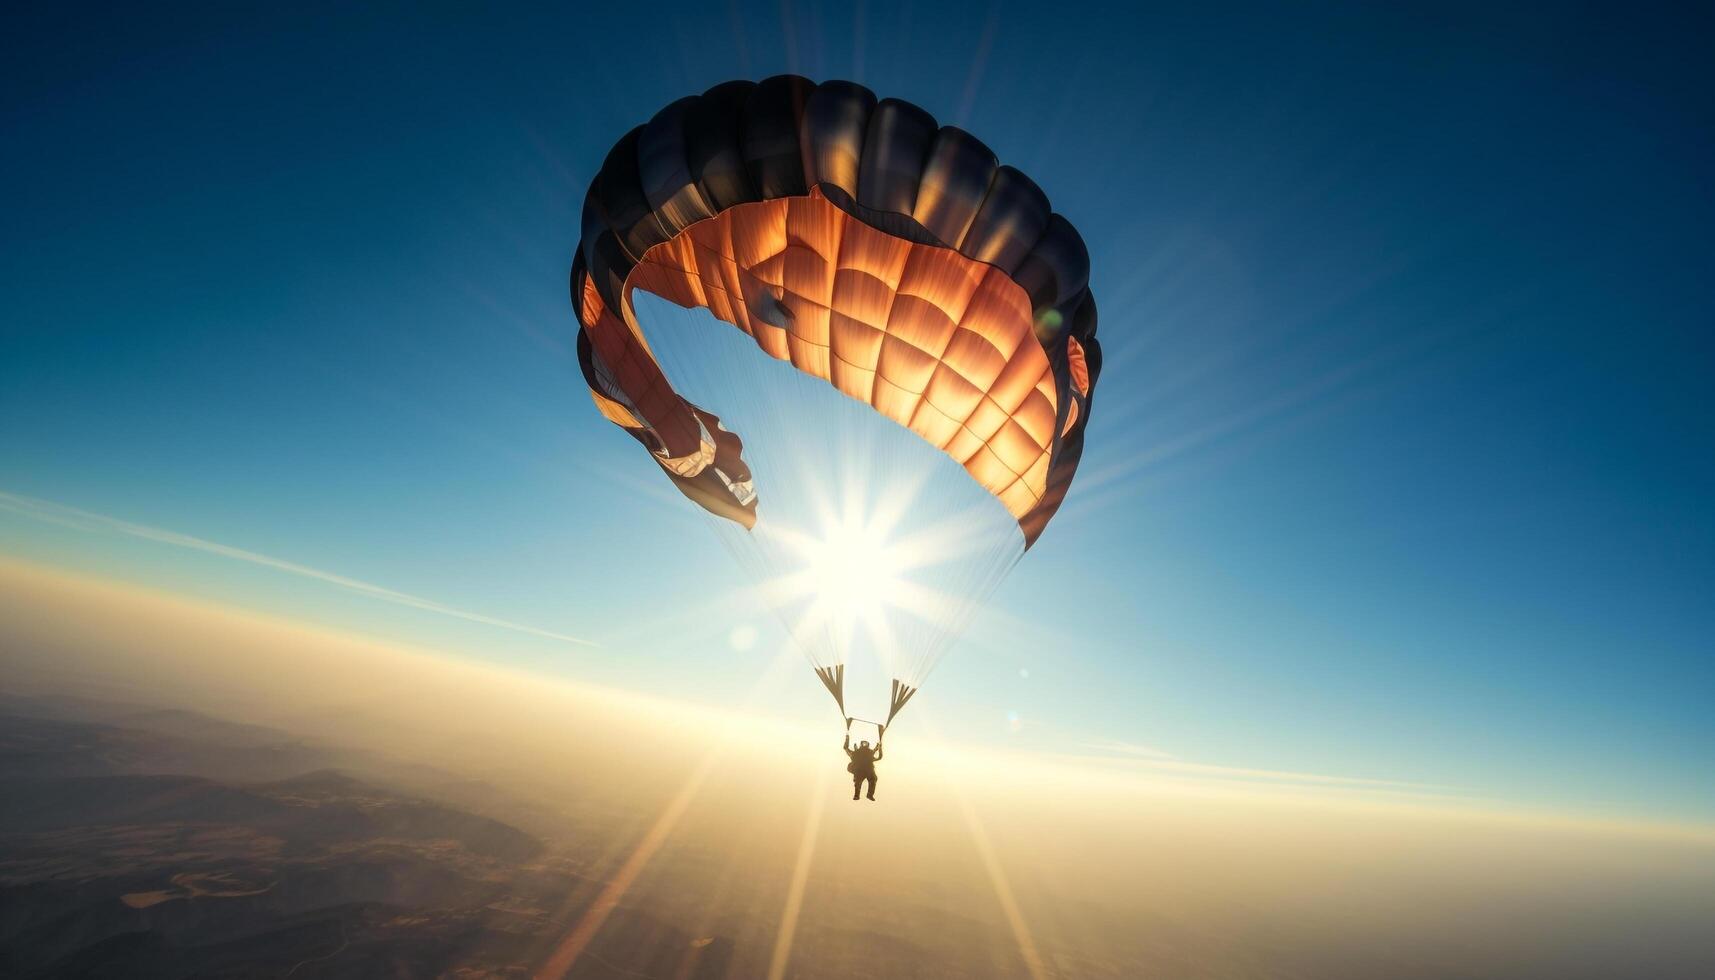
(719, 368)
(834, 678)
(978, 579)
(901, 694)
(822, 459)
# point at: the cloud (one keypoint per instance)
(1113, 746)
(51, 513)
(1160, 760)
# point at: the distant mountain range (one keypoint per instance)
(151, 843)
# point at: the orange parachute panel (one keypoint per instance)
(938, 342)
(863, 243)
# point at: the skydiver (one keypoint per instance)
(864, 758)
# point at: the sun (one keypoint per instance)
(879, 572)
(850, 572)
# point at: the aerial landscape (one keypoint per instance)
(460, 820)
(601, 493)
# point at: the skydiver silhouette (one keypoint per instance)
(864, 758)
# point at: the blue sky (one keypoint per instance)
(1403, 454)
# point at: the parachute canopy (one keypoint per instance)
(896, 260)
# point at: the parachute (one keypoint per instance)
(876, 258)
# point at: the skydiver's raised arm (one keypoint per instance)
(848, 744)
(878, 751)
